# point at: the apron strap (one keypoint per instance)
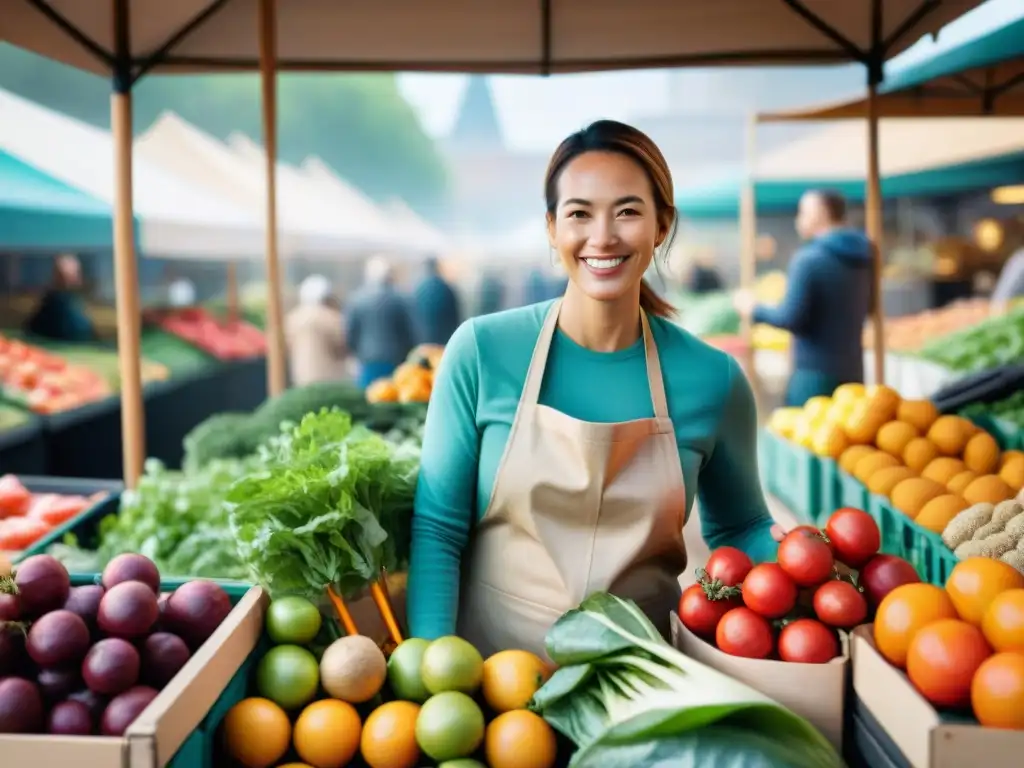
(539, 361)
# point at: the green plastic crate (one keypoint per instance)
(793, 477)
(922, 548)
(197, 750)
(851, 492)
(828, 493)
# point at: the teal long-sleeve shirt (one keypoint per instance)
(474, 402)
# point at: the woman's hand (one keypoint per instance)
(778, 532)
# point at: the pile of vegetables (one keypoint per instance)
(627, 698)
(792, 609)
(962, 646)
(910, 333)
(1010, 409)
(26, 517)
(991, 342)
(87, 660)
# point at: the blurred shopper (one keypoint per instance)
(315, 334)
(437, 307)
(1010, 285)
(61, 314)
(380, 325)
(492, 295)
(181, 293)
(828, 298)
(704, 277)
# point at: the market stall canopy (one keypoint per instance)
(471, 35)
(983, 76)
(917, 157)
(425, 235)
(358, 228)
(41, 213)
(173, 143)
(175, 218)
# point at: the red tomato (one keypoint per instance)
(18, 533)
(806, 641)
(769, 591)
(882, 574)
(741, 632)
(60, 509)
(14, 497)
(700, 614)
(840, 604)
(806, 558)
(854, 535)
(729, 566)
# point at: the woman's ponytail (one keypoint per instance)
(652, 303)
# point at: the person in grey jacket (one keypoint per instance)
(380, 327)
(1011, 279)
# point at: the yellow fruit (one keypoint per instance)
(919, 453)
(894, 436)
(520, 739)
(943, 469)
(829, 440)
(871, 463)
(910, 496)
(817, 407)
(1010, 457)
(958, 484)
(327, 733)
(987, 488)
(921, 413)
(884, 480)
(1012, 471)
(783, 421)
(863, 423)
(950, 434)
(848, 393)
(803, 432)
(382, 391)
(849, 458)
(885, 401)
(936, 514)
(389, 736)
(981, 454)
(511, 678)
(257, 732)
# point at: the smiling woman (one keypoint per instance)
(566, 441)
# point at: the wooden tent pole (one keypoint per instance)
(874, 225)
(748, 247)
(276, 366)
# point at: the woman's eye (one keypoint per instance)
(628, 212)
(577, 214)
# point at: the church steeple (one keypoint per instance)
(476, 126)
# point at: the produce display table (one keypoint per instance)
(246, 384)
(85, 442)
(23, 449)
(912, 377)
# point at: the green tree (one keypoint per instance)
(359, 124)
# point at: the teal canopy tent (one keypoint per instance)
(40, 213)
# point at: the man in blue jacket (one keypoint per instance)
(437, 307)
(829, 294)
(380, 330)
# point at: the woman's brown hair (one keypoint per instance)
(622, 139)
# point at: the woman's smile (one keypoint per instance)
(604, 266)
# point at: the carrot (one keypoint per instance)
(342, 610)
(381, 598)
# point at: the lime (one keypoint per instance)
(465, 762)
(292, 620)
(404, 670)
(289, 676)
(451, 664)
(450, 725)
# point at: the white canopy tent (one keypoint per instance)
(177, 219)
(426, 235)
(350, 216)
(177, 145)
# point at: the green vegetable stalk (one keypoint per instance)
(626, 698)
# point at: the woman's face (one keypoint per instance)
(605, 227)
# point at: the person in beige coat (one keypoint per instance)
(316, 335)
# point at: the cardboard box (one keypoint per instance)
(816, 692)
(157, 734)
(926, 739)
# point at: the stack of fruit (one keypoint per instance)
(962, 646)
(26, 517)
(46, 383)
(426, 702)
(791, 610)
(412, 381)
(88, 660)
(931, 467)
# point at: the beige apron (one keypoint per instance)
(577, 508)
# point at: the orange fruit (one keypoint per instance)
(997, 692)
(942, 659)
(974, 583)
(256, 732)
(520, 739)
(1003, 622)
(511, 678)
(327, 733)
(903, 612)
(389, 736)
